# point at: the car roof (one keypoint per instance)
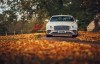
(61, 15)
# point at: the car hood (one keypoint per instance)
(61, 23)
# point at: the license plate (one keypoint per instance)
(61, 31)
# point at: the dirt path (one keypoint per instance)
(70, 39)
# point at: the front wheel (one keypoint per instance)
(48, 35)
(74, 35)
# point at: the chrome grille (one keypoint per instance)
(61, 27)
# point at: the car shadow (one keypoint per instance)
(71, 39)
(63, 36)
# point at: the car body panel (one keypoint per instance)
(61, 27)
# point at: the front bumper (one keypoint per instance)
(62, 32)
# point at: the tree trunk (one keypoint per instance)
(96, 21)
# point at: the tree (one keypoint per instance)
(93, 6)
(84, 10)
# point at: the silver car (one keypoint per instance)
(62, 25)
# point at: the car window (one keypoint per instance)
(62, 18)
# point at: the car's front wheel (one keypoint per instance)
(48, 35)
(74, 35)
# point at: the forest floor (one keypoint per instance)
(35, 48)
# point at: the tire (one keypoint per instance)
(48, 35)
(74, 36)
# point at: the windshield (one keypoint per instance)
(62, 18)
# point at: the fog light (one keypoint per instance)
(51, 27)
(72, 26)
(48, 31)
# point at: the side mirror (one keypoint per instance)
(77, 20)
(47, 20)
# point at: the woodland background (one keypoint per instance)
(26, 16)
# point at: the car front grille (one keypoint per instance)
(61, 27)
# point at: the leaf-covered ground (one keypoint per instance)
(89, 36)
(31, 49)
